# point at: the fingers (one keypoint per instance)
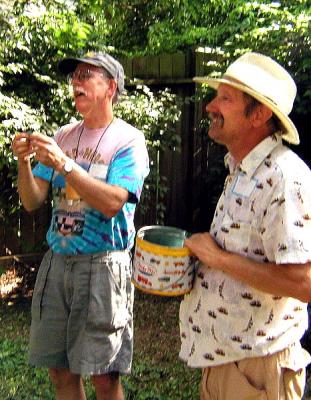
(200, 242)
(42, 143)
(21, 137)
(42, 147)
(39, 138)
(197, 238)
(21, 145)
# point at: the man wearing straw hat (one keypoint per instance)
(243, 321)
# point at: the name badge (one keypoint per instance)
(244, 187)
(99, 171)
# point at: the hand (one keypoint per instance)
(21, 146)
(204, 246)
(47, 151)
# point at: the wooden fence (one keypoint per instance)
(188, 203)
(191, 200)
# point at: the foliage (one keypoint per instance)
(33, 98)
(35, 34)
(168, 26)
(225, 29)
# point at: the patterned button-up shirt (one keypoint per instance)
(264, 213)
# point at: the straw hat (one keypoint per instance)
(265, 80)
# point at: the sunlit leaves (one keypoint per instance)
(155, 114)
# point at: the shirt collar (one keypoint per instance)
(255, 157)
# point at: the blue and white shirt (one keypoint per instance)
(119, 157)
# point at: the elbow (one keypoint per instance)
(115, 206)
(111, 212)
(113, 209)
(299, 285)
(112, 205)
(304, 299)
(305, 286)
(305, 295)
(31, 206)
(304, 292)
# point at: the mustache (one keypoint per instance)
(216, 118)
(77, 90)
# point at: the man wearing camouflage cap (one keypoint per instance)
(82, 308)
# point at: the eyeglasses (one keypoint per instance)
(82, 75)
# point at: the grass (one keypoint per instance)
(157, 373)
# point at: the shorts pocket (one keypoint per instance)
(108, 304)
(243, 387)
(36, 305)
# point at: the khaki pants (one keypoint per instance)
(262, 378)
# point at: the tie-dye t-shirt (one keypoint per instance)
(118, 157)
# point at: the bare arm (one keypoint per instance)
(33, 191)
(290, 280)
(107, 199)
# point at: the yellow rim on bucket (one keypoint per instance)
(162, 250)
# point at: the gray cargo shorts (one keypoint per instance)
(82, 313)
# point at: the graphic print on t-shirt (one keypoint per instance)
(69, 213)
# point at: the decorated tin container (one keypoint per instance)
(162, 266)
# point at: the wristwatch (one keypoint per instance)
(67, 167)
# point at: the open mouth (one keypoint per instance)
(78, 92)
(216, 120)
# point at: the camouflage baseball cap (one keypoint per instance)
(110, 64)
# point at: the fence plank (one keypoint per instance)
(166, 66)
(140, 67)
(12, 239)
(179, 65)
(127, 64)
(153, 63)
(41, 225)
(2, 236)
(26, 231)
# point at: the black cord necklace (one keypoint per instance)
(98, 143)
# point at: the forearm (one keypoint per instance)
(31, 194)
(290, 280)
(103, 197)
(107, 199)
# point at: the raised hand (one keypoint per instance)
(21, 146)
(47, 151)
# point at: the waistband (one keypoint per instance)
(92, 256)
